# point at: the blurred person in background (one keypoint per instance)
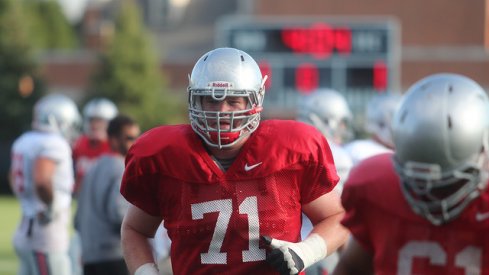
(328, 111)
(86, 150)
(229, 188)
(93, 143)
(42, 178)
(378, 119)
(424, 209)
(101, 207)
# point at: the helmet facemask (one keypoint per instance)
(440, 196)
(440, 133)
(213, 127)
(328, 111)
(379, 113)
(57, 114)
(218, 76)
(336, 130)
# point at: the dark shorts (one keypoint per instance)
(114, 267)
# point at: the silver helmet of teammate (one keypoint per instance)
(57, 113)
(378, 118)
(222, 73)
(440, 134)
(98, 108)
(328, 111)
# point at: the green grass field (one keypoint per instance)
(10, 214)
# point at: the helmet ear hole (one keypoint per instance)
(449, 122)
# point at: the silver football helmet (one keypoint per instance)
(440, 133)
(221, 73)
(378, 118)
(57, 113)
(328, 111)
(101, 108)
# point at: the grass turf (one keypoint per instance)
(10, 215)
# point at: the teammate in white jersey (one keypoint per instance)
(41, 176)
(328, 111)
(378, 117)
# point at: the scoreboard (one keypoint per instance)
(357, 56)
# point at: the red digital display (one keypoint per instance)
(354, 55)
(306, 78)
(320, 40)
(380, 76)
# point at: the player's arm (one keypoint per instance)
(325, 214)
(354, 260)
(43, 174)
(326, 236)
(137, 227)
(11, 180)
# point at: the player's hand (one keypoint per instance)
(46, 216)
(292, 258)
(283, 257)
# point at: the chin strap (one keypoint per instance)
(226, 138)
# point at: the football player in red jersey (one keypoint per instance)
(425, 208)
(229, 188)
(86, 150)
(94, 142)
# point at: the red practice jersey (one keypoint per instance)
(85, 153)
(402, 242)
(215, 218)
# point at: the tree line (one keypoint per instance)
(128, 69)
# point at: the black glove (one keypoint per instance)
(292, 258)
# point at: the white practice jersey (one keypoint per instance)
(364, 148)
(26, 149)
(342, 162)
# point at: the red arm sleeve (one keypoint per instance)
(320, 175)
(139, 185)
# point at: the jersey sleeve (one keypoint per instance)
(320, 173)
(139, 184)
(55, 149)
(356, 217)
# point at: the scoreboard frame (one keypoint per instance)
(355, 55)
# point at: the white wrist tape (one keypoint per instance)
(147, 269)
(311, 250)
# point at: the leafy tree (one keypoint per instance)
(129, 73)
(19, 83)
(48, 26)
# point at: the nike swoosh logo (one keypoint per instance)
(481, 216)
(248, 168)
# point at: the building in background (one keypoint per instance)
(434, 36)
